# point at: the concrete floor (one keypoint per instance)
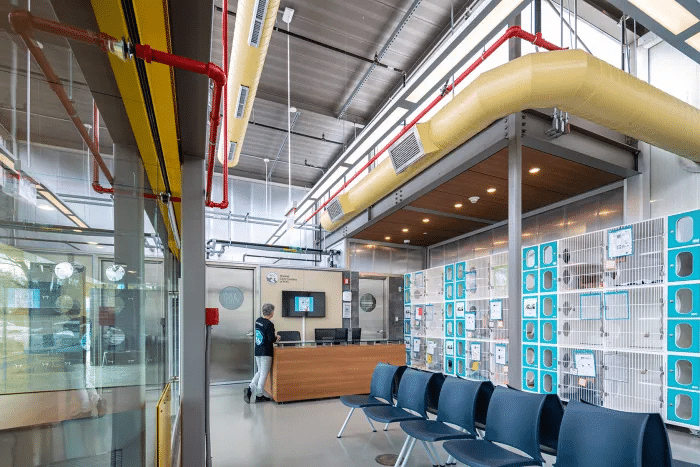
(304, 434)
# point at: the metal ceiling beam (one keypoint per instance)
(397, 30)
(284, 130)
(268, 95)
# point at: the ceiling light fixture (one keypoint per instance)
(92, 243)
(292, 110)
(387, 238)
(669, 14)
(458, 205)
(694, 42)
(491, 190)
(404, 230)
(534, 170)
(426, 220)
(473, 199)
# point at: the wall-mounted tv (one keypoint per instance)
(297, 304)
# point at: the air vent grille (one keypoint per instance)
(242, 99)
(257, 24)
(335, 210)
(232, 150)
(406, 151)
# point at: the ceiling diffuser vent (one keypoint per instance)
(406, 151)
(259, 10)
(242, 99)
(335, 210)
(232, 150)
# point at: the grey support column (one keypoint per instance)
(128, 427)
(192, 325)
(515, 215)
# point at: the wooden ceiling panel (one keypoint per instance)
(557, 180)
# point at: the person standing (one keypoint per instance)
(265, 336)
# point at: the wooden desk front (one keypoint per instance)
(303, 373)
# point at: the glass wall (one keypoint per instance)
(88, 304)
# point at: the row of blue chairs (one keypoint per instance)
(474, 420)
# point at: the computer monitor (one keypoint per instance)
(299, 304)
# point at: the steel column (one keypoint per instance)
(515, 212)
(192, 326)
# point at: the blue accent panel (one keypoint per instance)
(459, 328)
(460, 269)
(547, 385)
(534, 280)
(449, 291)
(532, 375)
(532, 339)
(553, 262)
(461, 366)
(694, 239)
(406, 281)
(683, 336)
(684, 301)
(684, 372)
(449, 310)
(684, 264)
(449, 328)
(450, 273)
(553, 285)
(450, 365)
(461, 292)
(544, 361)
(554, 306)
(527, 251)
(461, 348)
(683, 407)
(408, 358)
(534, 356)
(406, 296)
(553, 337)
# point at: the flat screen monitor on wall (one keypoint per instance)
(297, 304)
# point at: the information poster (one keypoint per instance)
(470, 322)
(620, 243)
(496, 312)
(347, 310)
(530, 307)
(459, 309)
(416, 344)
(584, 361)
(501, 355)
(476, 352)
(431, 347)
(449, 348)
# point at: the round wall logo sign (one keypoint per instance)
(368, 302)
(272, 278)
(231, 298)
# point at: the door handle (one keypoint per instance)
(250, 334)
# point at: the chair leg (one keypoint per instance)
(408, 453)
(340, 433)
(370, 423)
(437, 456)
(386, 427)
(403, 451)
(430, 453)
(450, 460)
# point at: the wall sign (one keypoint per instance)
(620, 243)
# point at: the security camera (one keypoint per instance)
(474, 199)
(407, 241)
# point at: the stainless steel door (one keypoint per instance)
(231, 291)
(373, 309)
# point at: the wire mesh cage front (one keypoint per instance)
(477, 319)
(580, 319)
(580, 375)
(645, 262)
(434, 348)
(633, 382)
(581, 261)
(499, 275)
(477, 277)
(434, 284)
(634, 319)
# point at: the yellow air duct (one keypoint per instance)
(570, 80)
(251, 37)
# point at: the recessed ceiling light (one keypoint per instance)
(387, 238)
(458, 205)
(534, 170)
(92, 243)
(491, 190)
(77, 230)
(404, 230)
(669, 14)
(425, 233)
(426, 220)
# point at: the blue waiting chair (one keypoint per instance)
(462, 403)
(412, 400)
(515, 419)
(381, 392)
(592, 435)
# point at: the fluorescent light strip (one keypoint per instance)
(59, 205)
(694, 42)
(668, 13)
(460, 51)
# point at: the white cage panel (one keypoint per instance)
(434, 320)
(478, 311)
(418, 348)
(498, 327)
(646, 264)
(581, 261)
(435, 284)
(418, 291)
(580, 320)
(418, 320)
(499, 275)
(633, 382)
(634, 319)
(580, 375)
(434, 353)
(477, 277)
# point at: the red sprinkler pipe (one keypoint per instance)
(224, 65)
(24, 22)
(512, 32)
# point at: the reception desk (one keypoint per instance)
(316, 372)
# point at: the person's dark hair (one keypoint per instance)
(268, 309)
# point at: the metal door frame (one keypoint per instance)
(256, 304)
(385, 307)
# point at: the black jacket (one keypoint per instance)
(265, 336)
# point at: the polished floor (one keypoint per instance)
(304, 434)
